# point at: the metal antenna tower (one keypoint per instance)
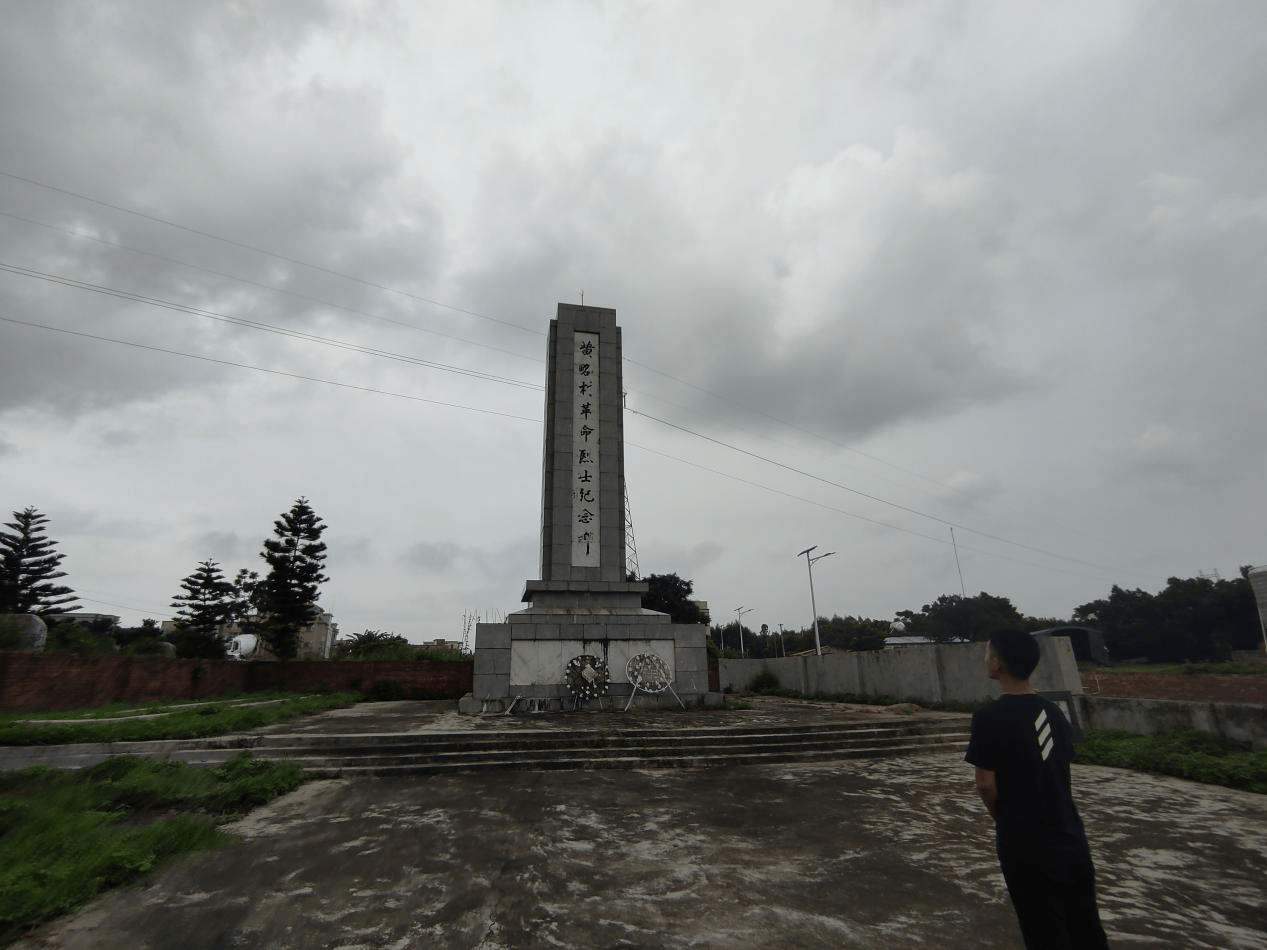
(631, 547)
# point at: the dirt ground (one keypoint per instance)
(1199, 687)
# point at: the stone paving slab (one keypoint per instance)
(882, 854)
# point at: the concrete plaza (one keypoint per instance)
(890, 853)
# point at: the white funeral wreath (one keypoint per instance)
(587, 677)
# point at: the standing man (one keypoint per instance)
(1021, 746)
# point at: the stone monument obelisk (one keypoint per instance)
(586, 621)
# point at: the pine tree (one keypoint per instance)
(286, 597)
(29, 566)
(208, 602)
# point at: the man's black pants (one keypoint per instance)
(1055, 905)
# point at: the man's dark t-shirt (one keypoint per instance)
(1028, 744)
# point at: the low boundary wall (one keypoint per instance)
(940, 673)
(1244, 722)
(69, 681)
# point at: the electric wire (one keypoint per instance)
(875, 498)
(273, 372)
(257, 325)
(430, 301)
(85, 236)
(273, 254)
(376, 285)
(855, 515)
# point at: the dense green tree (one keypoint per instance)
(207, 602)
(852, 633)
(29, 565)
(1195, 618)
(285, 598)
(670, 594)
(952, 617)
(374, 645)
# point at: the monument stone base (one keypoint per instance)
(520, 665)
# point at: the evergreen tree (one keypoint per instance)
(286, 597)
(670, 594)
(208, 601)
(28, 568)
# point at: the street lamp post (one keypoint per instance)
(739, 612)
(809, 566)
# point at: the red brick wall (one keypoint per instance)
(69, 681)
(1198, 687)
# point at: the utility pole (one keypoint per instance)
(739, 612)
(809, 566)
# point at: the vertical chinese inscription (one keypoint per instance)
(585, 521)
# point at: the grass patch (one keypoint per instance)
(168, 720)
(66, 837)
(1198, 756)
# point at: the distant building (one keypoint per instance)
(452, 646)
(907, 641)
(85, 618)
(316, 641)
(1088, 645)
(813, 651)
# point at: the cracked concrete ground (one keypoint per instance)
(893, 853)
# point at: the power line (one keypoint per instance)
(256, 325)
(259, 250)
(83, 235)
(875, 498)
(437, 303)
(432, 302)
(369, 283)
(852, 514)
(273, 372)
(367, 389)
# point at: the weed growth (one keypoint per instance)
(1197, 756)
(67, 836)
(167, 720)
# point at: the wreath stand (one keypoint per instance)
(649, 673)
(587, 678)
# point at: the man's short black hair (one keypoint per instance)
(1018, 651)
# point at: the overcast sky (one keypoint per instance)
(883, 269)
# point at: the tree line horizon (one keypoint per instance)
(1190, 619)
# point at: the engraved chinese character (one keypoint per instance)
(584, 388)
(586, 516)
(586, 409)
(585, 476)
(586, 432)
(583, 369)
(587, 348)
(585, 494)
(583, 457)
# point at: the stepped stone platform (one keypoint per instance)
(416, 738)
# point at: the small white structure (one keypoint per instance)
(244, 646)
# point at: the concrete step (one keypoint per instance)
(576, 763)
(588, 749)
(348, 746)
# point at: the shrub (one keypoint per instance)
(764, 682)
(1193, 755)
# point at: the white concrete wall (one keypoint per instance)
(941, 673)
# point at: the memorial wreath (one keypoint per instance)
(587, 677)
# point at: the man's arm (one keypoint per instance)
(987, 789)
